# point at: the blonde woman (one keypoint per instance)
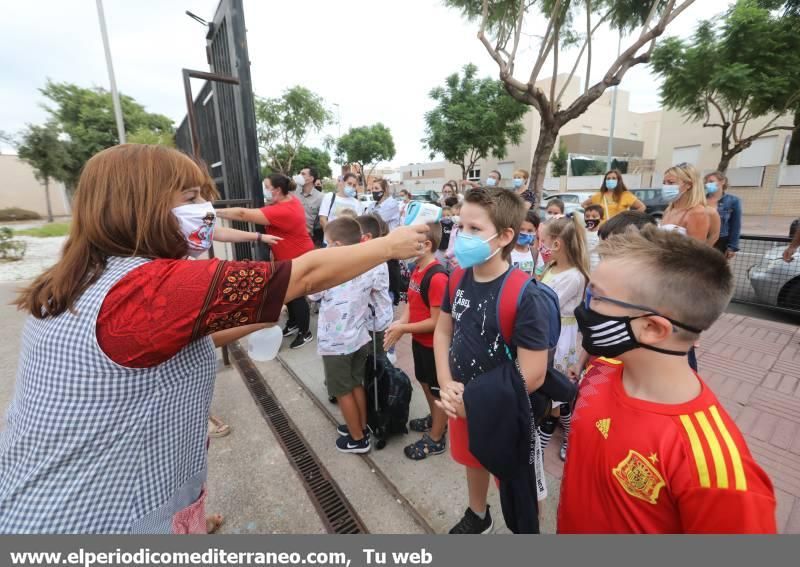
(688, 211)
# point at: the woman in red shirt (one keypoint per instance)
(284, 218)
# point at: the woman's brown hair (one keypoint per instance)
(619, 189)
(122, 207)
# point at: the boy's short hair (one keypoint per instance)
(434, 234)
(369, 225)
(451, 201)
(597, 209)
(533, 218)
(349, 213)
(381, 223)
(681, 277)
(621, 223)
(506, 210)
(556, 202)
(343, 229)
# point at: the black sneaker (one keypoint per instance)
(563, 452)
(333, 400)
(290, 330)
(472, 524)
(343, 430)
(347, 444)
(301, 340)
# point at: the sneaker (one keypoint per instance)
(290, 330)
(347, 444)
(563, 452)
(472, 524)
(301, 340)
(343, 430)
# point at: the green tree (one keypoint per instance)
(41, 147)
(569, 24)
(86, 116)
(147, 136)
(365, 146)
(730, 73)
(473, 118)
(284, 124)
(560, 160)
(305, 157)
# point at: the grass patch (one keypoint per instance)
(46, 231)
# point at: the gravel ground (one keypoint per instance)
(41, 254)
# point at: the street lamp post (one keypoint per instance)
(613, 114)
(114, 93)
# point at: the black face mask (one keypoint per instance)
(377, 195)
(608, 336)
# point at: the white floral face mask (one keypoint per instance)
(197, 225)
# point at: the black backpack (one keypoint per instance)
(388, 391)
(425, 284)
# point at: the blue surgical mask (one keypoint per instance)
(611, 184)
(525, 239)
(669, 192)
(711, 187)
(472, 250)
(491, 182)
(517, 183)
(349, 191)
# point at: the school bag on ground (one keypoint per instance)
(388, 391)
(556, 385)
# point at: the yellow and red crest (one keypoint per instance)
(639, 478)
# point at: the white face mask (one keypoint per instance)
(197, 225)
(299, 180)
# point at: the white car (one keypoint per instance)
(777, 282)
(572, 202)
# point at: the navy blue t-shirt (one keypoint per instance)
(477, 345)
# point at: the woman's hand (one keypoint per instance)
(393, 334)
(574, 372)
(270, 239)
(406, 241)
(730, 254)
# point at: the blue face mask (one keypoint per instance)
(670, 191)
(491, 182)
(524, 239)
(349, 191)
(611, 184)
(711, 187)
(472, 251)
(517, 183)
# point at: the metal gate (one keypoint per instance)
(761, 277)
(220, 124)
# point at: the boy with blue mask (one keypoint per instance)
(467, 340)
(652, 450)
(525, 252)
(346, 198)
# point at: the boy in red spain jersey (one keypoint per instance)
(652, 450)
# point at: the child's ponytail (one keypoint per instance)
(570, 231)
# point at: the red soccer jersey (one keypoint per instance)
(287, 219)
(417, 310)
(641, 467)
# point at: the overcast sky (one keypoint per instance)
(398, 49)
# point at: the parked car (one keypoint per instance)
(654, 200)
(572, 202)
(426, 196)
(777, 282)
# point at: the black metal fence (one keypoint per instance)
(762, 277)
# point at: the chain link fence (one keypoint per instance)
(762, 277)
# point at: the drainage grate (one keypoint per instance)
(333, 507)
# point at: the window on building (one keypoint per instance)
(686, 154)
(760, 153)
(474, 174)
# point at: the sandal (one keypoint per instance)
(217, 428)
(421, 424)
(214, 523)
(424, 447)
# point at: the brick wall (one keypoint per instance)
(769, 199)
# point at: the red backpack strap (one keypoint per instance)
(511, 291)
(455, 280)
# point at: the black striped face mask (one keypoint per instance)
(611, 336)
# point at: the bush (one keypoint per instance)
(17, 214)
(11, 249)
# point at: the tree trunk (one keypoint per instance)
(541, 157)
(724, 162)
(793, 155)
(47, 199)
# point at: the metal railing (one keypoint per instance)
(762, 277)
